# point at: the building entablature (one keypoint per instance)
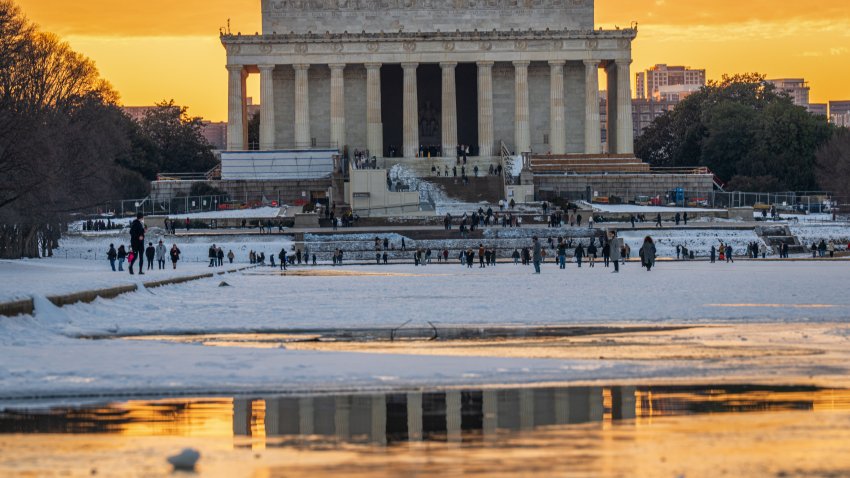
(430, 47)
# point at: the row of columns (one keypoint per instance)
(621, 133)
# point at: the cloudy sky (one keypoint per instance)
(158, 49)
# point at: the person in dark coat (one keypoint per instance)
(579, 253)
(713, 254)
(175, 256)
(137, 242)
(647, 253)
(212, 254)
(150, 252)
(112, 254)
(282, 257)
(537, 254)
(122, 256)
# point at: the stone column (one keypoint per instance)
(267, 127)
(449, 119)
(592, 133)
(485, 108)
(522, 131)
(302, 106)
(237, 130)
(337, 106)
(625, 133)
(374, 126)
(557, 130)
(411, 111)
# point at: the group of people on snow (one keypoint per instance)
(138, 252)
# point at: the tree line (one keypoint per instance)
(749, 134)
(65, 144)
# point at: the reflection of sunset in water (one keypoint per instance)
(590, 431)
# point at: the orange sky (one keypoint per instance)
(159, 49)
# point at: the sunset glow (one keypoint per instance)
(158, 49)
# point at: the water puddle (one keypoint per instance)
(589, 431)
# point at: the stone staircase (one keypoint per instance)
(776, 235)
(485, 188)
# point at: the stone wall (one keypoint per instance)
(626, 186)
(373, 16)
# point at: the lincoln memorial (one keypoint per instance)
(392, 76)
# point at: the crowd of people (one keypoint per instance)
(138, 252)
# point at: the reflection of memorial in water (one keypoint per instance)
(452, 415)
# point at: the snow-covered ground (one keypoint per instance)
(808, 233)
(41, 277)
(636, 209)
(442, 203)
(697, 240)
(41, 357)
(192, 248)
(260, 212)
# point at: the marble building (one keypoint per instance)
(394, 75)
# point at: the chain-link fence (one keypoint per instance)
(801, 202)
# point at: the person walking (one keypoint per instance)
(579, 253)
(282, 256)
(160, 255)
(122, 256)
(831, 248)
(658, 221)
(712, 254)
(729, 253)
(515, 256)
(562, 254)
(212, 255)
(175, 256)
(219, 253)
(150, 253)
(537, 254)
(606, 253)
(112, 254)
(137, 242)
(230, 256)
(615, 246)
(591, 255)
(647, 253)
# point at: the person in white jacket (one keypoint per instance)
(160, 255)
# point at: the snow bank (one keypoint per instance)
(699, 241)
(255, 213)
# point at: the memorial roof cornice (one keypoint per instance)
(475, 35)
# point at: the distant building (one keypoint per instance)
(645, 111)
(251, 108)
(137, 113)
(674, 93)
(215, 134)
(839, 113)
(796, 88)
(819, 109)
(678, 79)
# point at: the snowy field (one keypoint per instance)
(809, 232)
(42, 277)
(260, 212)
(506, 294)
(41, 357)
(699, 241)
(636, 209)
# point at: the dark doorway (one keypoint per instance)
(466, 84)
(392, 95)
(429, 86)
